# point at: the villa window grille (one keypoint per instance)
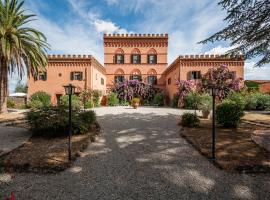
(119, 58)
(136, 77)
(135, 58)
(42, 76)
(152, 59)
(102, 81)
(152, 80)
(119, 79)
(76, 76)
(195, 75)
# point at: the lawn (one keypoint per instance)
(234, 148)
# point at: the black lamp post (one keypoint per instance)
(213, 92)
(69, 90)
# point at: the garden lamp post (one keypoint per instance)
(213, 92)
(69, 90)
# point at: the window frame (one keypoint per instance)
(155, 79)
(102, 81)
(116, 80)
(132, 77)
(155, 58)
(195, 75)
(139, 58)
(169, 81)
(122, 61)
(74, 74)
(42, 76)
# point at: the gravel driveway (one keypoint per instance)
(139, 155)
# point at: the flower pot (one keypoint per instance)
(205, 113)
(135, 105)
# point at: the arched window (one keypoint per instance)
(152, 56)
(152, 77)
(135, 56)
(135, 75)
(119, 76)
(119, 56)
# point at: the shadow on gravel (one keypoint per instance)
(146, 158)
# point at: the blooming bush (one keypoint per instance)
(184, 88)
(132, 88)
(221, 78)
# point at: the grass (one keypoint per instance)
(44, 155)
(234, 148)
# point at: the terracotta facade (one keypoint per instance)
(192, 67)
(128, 56)
(151, 49)
(83, 71)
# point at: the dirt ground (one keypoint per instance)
(234, 148)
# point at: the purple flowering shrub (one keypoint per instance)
(184, 88)
(221, 78)
(129, 89)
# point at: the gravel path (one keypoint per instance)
(139, 155)
(12, 137)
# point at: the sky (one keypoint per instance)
(77, 26)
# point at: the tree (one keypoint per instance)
(222, 79)
(184, 88)
(21, 88)
(248, 29)
(21, 47)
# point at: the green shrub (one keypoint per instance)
(238, 98)
(174, 102)
(158, 99)
(192, 100)
(205, 103)
(113, 99)
(124, 103)
(89, 104)
(190, 120)
(229, 113)
(96, 97)
(10, 103)
(75, 101)
(257, 101)
(53, 121)
(40, 99)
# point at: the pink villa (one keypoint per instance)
(140, 57)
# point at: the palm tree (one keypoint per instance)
(21, 47)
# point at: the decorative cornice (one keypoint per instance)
(106, 36)
(68, 56)
(205, 60)
(132, 43)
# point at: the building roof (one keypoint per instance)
(203, 57)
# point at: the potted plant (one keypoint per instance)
(135, 102)
(205, 105)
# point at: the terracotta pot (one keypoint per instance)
(205, 113)
(135, 105)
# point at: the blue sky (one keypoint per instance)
(77, 26)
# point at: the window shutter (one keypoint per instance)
(81, 76)
(155, 59)
(71, 76)
(131, 58)
(148, 59)
(45, 76)
(139, 58)
(123, 59)
(114, 59)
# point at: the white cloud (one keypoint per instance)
(108, 27)
(218, 50)
(256, 73)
